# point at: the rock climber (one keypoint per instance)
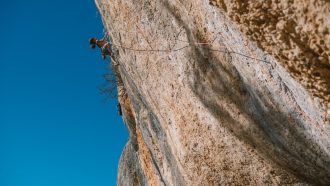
(103, 44)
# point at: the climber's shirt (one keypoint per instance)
(106, 49)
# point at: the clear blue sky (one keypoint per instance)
(55, 127)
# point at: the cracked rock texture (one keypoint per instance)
(222, 92)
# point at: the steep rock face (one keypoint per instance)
(205, 105)
(295, 31)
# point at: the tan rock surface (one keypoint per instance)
(295, 31)
(205, 105)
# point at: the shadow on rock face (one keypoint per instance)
(279, 136)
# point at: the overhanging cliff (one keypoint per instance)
(213, 93)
